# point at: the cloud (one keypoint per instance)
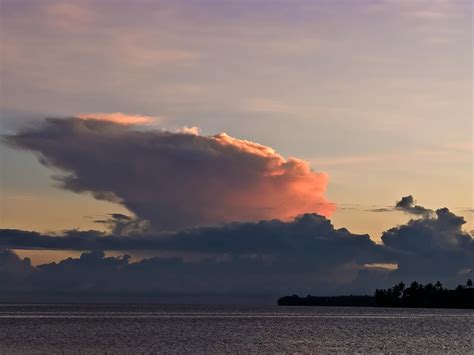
(120, 224)
(407, 204)
(380, 209)
(118, 118)
(310, 234)
(432, 246)
(176, 179)
(14, 272)
(239, 258)
(196, 131)
(272, 257)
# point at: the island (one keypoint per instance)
(416, 295)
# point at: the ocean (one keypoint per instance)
(180, 329)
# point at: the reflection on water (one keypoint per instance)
(217, 329)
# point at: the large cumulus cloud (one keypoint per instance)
(176, 179)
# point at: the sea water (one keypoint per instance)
(88, 328)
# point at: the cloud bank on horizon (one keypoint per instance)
(273, 257)
(175, 179)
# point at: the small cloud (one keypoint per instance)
(384, 266)
(407, 204)
(193, 130)
(119, 118)
(382, 209)
(120, 217)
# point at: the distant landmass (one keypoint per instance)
(415, 296)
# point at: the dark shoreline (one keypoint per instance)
(346, 301)
(332, 301)
(399, 296)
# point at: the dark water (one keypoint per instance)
(232, 329)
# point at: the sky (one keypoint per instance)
(151, 119)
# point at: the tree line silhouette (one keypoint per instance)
(416, 295)
(429, 296)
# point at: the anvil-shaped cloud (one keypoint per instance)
(176, 179)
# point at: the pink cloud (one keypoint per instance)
(177, 179)
(118, 118)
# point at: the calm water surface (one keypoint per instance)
(232, 329)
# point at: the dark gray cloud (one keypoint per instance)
(15, 272)
(306, 255)
(308, 235)
(381, 209)
(175, 179)
(407, 204)
(120, 224)
(432, 246)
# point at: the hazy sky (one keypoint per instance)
(376, 94)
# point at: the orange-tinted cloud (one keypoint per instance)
(118, 117)
(177, 179)
(283, 189)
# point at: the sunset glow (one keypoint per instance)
(118, 118)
